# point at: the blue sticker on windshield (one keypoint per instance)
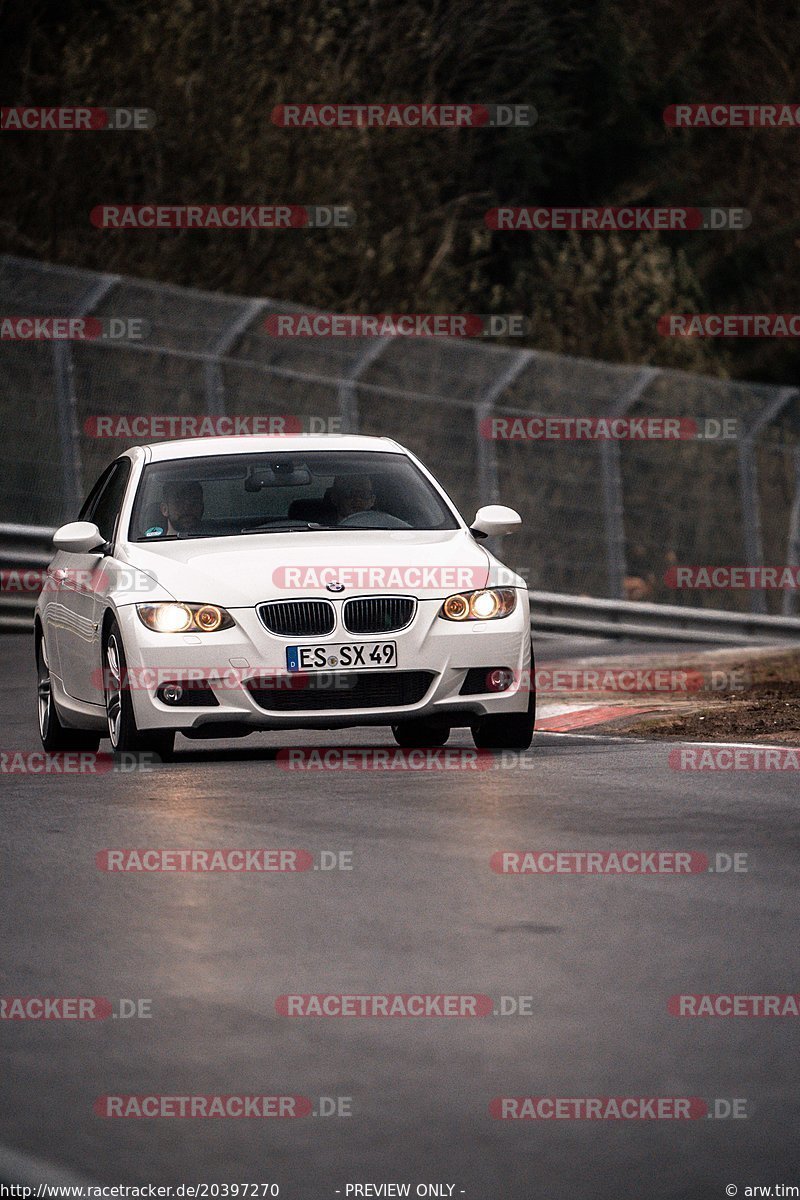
(154, 531)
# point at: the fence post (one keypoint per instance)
(67, 403)
(486, 448)
(793, 544)
(68, 432)
(348, 396)
(220, 347)
(614, 514)
(613, 498)
(752, 536)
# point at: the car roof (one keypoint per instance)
(201, 447)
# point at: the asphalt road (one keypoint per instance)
(420, 911)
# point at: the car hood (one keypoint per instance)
(239, 572)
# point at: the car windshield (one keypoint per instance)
(232, 494)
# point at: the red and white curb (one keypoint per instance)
(561, 718)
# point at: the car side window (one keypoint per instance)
(105, 507)
(90, 503)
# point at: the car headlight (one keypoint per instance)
(184, 618)
(485, 605)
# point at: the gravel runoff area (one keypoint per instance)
(744, 696)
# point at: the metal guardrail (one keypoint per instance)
(22, 548)
(554, 613)
(29, 547)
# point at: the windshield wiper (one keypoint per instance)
(288, 526)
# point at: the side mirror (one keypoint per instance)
(495, 519)
(79, 537)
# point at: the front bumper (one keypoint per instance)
(233, 657)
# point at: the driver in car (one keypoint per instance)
(352, 494)
(183, 506)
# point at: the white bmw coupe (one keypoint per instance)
(221, 586)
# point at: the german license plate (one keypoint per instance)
(347, 656)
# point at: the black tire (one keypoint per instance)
(420, 735)
(508, 731)
(123, 732)
(55, 736)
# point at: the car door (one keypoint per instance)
(58, 610)
(78, 632)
